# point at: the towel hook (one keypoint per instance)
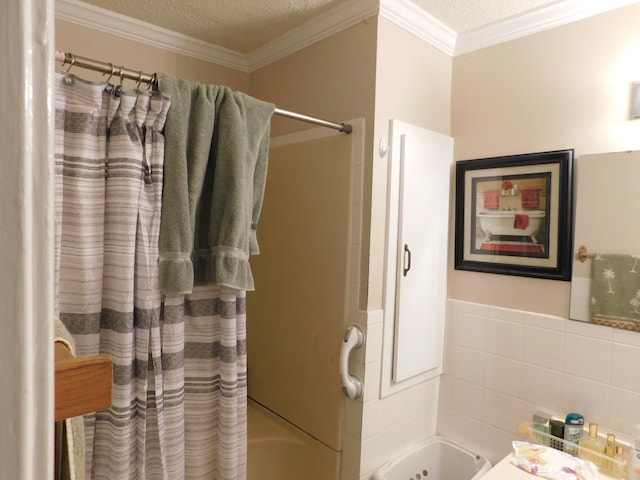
(583, 254)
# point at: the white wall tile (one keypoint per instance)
(585, 397)
(541, 386)
(626, 337)
(625, 367)
(563, 366)
(371, 380)
(372, 418)
(394, 409)
(543, 347)
(589, 330)
(504, 338)
(467, 364)
(422, 397)
(503, 411)
(375, 453)
(502, 374)
(447, 358)
(587, 357)
(507, 314)
(544, 321)
(373, 351)
(624, 411)
(469, 330)
(467, 398)
(445, 395)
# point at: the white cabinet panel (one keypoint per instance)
(421, 285)
(417, 241)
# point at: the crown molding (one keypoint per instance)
(538, 20)
(409, 16)
(403, 13)
(106, 21)
(324, 26)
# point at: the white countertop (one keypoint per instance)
(505, 470)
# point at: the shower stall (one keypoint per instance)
(306, 284)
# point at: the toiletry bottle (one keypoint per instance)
(556, 427)
(610, 447)
(634, 457)
(541, 424)
(609, 451)
(591, 444)
(622, 464)
(572, 432)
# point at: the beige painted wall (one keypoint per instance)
(335, 80)
(413, 84)
(568, 87)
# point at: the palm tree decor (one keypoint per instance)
(609, 275)
(635, 303)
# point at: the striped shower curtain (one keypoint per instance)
(179, 378)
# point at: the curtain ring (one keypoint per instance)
(113, 69)
(139, 79)
(121, 75)
(153, 83)
(73, 61)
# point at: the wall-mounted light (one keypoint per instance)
(635, 100)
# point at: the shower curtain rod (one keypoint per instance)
(109, 68)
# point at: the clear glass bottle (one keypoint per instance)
(591, 444)
(623, 461)
(609, 451)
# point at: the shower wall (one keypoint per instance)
(297, 315)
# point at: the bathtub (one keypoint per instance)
(501, 222)
(436, 459)
(277, 450)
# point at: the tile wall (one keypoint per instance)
(500, 365)
(376, 429)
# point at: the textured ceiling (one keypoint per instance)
(245, 25)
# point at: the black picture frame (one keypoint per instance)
(514, 215)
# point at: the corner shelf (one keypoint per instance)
(82, 385)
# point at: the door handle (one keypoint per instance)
(351, 385)
(407, 257)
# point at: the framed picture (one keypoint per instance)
(514, 215)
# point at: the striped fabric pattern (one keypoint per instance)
(179, 380)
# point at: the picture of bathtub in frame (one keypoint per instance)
(514, 215)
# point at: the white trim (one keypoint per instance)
(538, 20)
(409, 16)
(113, 23)
(27, 214)
(404, 13)
(321, 27)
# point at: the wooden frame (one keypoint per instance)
(514, 215)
